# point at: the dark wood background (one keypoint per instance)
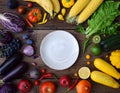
(40, 31)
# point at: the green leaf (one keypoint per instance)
(103, 17)
(111, 30)
(85, 45)
(81, 29)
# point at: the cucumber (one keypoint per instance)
(112, 48)
(10, 63)
(109, 39)
(112, 43)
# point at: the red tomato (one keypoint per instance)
(83, 86)
(30, 4)
(21, 10)
(36, 82)
(47, 87)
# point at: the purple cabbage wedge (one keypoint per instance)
(8, 88)
(12, 22)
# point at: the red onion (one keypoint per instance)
(28, 50)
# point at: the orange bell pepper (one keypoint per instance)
(35, 15)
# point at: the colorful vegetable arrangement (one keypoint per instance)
(100, 23)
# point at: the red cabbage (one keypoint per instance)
(12, 22)
(8, 88)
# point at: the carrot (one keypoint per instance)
(28, 22)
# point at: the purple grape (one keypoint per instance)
(5, 37)
(29, 42)
(25, 36)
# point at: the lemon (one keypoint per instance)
(84, 72)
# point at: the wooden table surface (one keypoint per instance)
(40, 31)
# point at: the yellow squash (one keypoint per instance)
(106, 68)
(115, 58)
(104, 79)
(67, 3)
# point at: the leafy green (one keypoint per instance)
(102, 18)
(86, 43)
(102, 21)
(110, 30)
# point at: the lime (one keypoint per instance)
(95, 49)
(96, 39)
(84, 72)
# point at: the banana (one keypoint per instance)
(45, 4)
(56, 6)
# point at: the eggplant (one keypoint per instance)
(10, 63)
(16, 72)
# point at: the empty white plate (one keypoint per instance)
(59, 50)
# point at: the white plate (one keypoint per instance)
(59, 50)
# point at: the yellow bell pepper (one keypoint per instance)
(44, 20)
(115, 58)
(67, 3)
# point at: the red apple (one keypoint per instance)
(24, 86)
(47, 87)
(65, 81)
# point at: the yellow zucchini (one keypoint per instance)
(106, 68)
(104, 79)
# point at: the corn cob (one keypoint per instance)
(76, 9)
(88, 11)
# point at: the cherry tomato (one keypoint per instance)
(43, 70)
(21, 10)
(30, 4)
(36, 82)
